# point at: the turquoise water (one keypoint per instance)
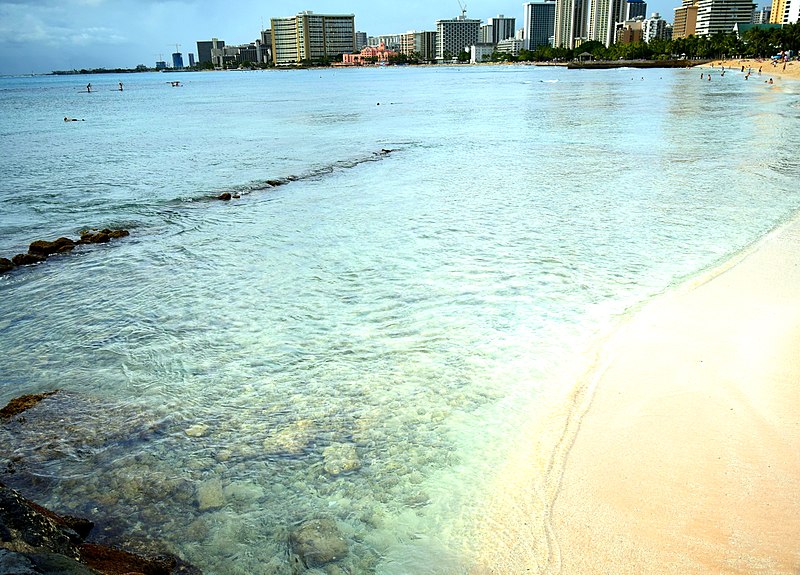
(363, 342)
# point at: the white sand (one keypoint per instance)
(682, 455)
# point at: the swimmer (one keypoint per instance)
(120, 86)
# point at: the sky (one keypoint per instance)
(39, 36)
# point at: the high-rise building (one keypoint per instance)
(422, 44)
(570, 23)
(720, 15)
(685, 20)
(204, 49)
(630, 31)
(785, 12)
(762, 16)
(634, 8)
(361, 40)
(310, 37)
(777, 11)
(177, 60)
(485, 34)
(191, 60)
(603, 20)
(502, 28)
(539, 17)
(455, 35)
(654, 28)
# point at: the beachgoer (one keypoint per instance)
(89, 87)
(702, 75)
(742, 68)
(120, 86)
(770, 81)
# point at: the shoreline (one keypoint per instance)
(678, 451)
(792, 71)
(687, 459)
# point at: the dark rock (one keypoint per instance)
(6, 265)
(53, 564)
(16, 564)
(23, 403)
(276, 183)
(100, 237)
(224, 197)
(24, 529)
(111, 561)
(316, 543)
(45, 248)
(116, 234)
(26, 259)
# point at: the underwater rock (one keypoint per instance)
(45, 248)
(276, 183)
(292, 440)
(23, 403)
(209, 495)
(316, 543)
(340, 458)
(224, 197)
(243, 491)
(26, 259)
(6, 265)
(197, 430)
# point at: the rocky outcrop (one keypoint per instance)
(316, 543)
(40, 250)
(44, 248)
(225, 197)
(23, 403)
(34, 540)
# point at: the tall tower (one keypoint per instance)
(452, 36)
(604, 17)
(539, 19)
(570, 22)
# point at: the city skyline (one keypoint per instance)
(39, 36)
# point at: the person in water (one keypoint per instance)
(89, 87)
(120, 86)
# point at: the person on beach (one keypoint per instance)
(89, 87)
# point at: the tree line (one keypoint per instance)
(755, 42)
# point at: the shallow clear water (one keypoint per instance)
(360, 343)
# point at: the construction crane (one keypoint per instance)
(177, 48)
(463, 10)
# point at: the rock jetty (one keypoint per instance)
(40, 250)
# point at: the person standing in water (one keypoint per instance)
(120, 86)
(89, 87)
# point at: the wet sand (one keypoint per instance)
(687, 459)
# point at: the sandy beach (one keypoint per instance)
(688, 457)
(791, 72)
(682, 450)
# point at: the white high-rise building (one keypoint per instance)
(539, 19)
(310, 37)
(654, 28)
(570, 22)
(603, 20)
(455, 35)
(720, 15)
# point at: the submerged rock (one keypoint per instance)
(292, 440)
(224, 197)
(316, 543)
(23, 403)
(209, 495)
(6, 265)
(340, 458)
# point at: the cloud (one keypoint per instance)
(21, 24)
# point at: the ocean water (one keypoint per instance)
(366, 342)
